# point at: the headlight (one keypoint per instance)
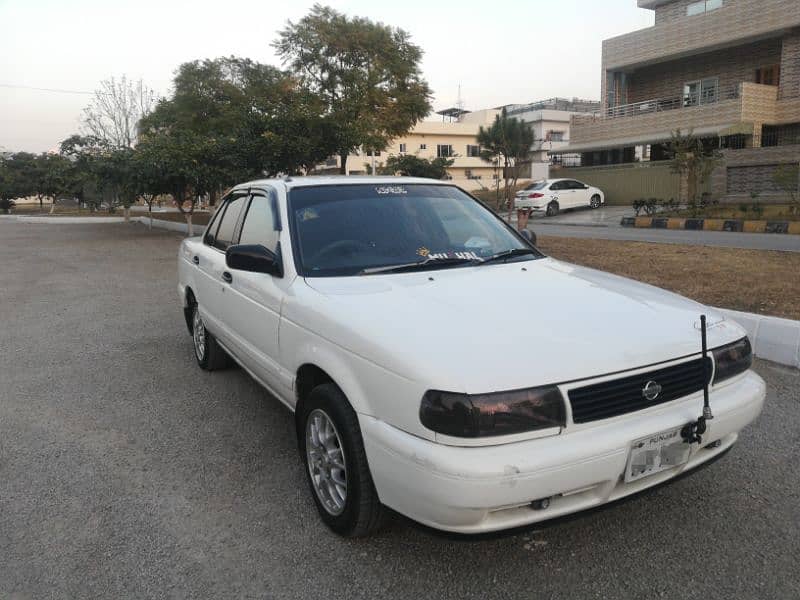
(732, 359)
(486, 415)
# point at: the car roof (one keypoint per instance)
(320, 180)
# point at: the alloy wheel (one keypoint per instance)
(326, 464)
(199, 335)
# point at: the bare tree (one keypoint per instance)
(114, 113)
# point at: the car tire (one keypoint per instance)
(552, 209)
(352, 509)
(209, 354)
(595, 201)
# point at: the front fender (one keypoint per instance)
(371, 389)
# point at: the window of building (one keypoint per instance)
(331, 162)
(468, 173)
(555, 136)
(474, 151)
(704, 6)
(402, 148)
(444, 150)
(701, 91)
(769, 75)
(423, 146)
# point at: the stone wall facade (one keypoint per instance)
(732, 66)
(753, 170)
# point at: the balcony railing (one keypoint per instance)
(656, 105)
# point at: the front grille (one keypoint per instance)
(625, 395)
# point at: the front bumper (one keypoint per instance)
(488, 488)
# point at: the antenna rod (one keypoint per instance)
(706, 374)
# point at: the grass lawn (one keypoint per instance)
(759, 281)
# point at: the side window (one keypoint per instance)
(228, 223)
(259, 224)
(576, 185)
(558, 185)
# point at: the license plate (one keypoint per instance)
(656, 453)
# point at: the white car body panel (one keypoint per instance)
(387, 339)
(566, 199)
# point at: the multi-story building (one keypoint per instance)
(550, 120)
(729, 70)
(454, 139)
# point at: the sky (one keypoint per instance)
(499, 51)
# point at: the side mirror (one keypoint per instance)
(254, 258)
(529, 235)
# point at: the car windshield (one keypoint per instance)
(539, 185)
(357, 229)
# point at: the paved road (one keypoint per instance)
(125, 472)
(753, 241)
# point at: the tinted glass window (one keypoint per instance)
(259, 224)
(575, 185)
(228, 223)
(341, 230)
(558, 185)
(539, 185)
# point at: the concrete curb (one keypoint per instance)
(60, 220)
(169, 225)
(732, 225)
(773, 338)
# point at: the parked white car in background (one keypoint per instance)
(373, 308)
(553, 195)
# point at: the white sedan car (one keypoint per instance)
(553, 195)
(373, 309)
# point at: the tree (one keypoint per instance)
(114, 113)
(691, 158)
(253, 120)
(366, 74)
(787, 178)
(507, 140)
(414, 166)
(174, 165)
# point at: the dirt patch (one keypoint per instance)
(759, 281)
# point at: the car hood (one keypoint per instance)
(509, 326)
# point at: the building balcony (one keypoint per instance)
(733, 24)
(736, 110)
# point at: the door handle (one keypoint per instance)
(196, 260)
(227, 277)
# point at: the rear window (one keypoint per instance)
(538, 185)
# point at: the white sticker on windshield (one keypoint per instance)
(385, 190)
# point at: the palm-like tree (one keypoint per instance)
(509, 141)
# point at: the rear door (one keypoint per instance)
(210, 261)
(253, 300)
(580, 196)
(562, 193)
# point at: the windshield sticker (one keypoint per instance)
(451, 254)
(423, 251)
(385, 190)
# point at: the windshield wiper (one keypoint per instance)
(419, 265)
(506, 254)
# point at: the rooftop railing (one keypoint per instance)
(655, 105)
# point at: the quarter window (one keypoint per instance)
(260, 224)
(227, 226)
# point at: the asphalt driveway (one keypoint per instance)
(126, 472)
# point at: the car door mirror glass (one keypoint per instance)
(254, 258)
